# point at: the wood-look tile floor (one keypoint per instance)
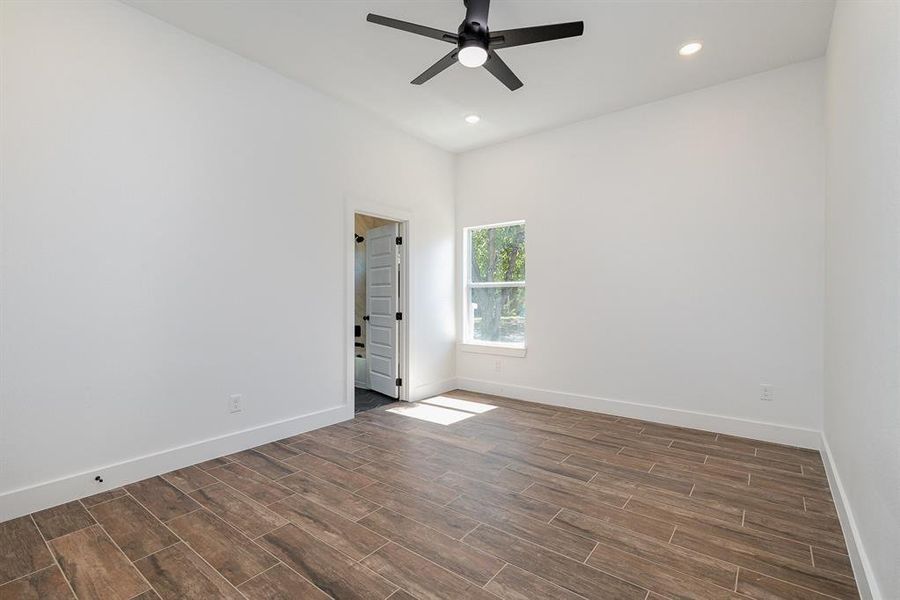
(514, 501)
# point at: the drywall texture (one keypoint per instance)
(862, 342)
(675, 250)
(174, 232)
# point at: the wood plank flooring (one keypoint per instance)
(515, 501)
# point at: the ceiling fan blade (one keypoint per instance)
(447, 61)
(498, 69)
(532, 35)
(430, 32)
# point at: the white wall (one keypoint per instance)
(173, 231)
(862, 390)
(675, 256)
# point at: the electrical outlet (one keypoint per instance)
(235, 403)
(498, 366)
(766, 393)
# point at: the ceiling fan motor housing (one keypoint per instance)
(473, 33)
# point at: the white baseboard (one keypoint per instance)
(427, 390)
(862, 568)
(22, 501)
(758, 430)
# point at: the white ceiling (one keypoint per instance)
(627, 56)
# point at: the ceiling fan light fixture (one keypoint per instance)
(690, 48)
(472, 56)
(475, 45)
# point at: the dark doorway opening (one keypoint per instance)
(369, 399)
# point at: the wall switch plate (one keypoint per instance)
(766, 393)
(498, 366)
(235, 403)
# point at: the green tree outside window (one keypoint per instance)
(497, 257)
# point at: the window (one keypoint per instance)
(495, 285)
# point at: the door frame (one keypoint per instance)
(405, 220)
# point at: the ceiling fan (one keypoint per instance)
(476, 45)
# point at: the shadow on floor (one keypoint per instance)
(368, 399)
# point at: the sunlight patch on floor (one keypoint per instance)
(442, 410)
(463, 405)
(432, 414)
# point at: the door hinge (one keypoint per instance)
(399, 382)
(399, 240)
(400, 316)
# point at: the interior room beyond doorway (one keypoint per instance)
(376, 347)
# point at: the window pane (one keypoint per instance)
(498, 314)
(498, 253)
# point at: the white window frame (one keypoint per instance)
(469, 343)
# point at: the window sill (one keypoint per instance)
(498, 350)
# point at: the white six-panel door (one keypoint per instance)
(381, 306)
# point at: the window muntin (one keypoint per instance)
(495, 285)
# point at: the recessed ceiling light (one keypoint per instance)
(472, 119)
(690, 48)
